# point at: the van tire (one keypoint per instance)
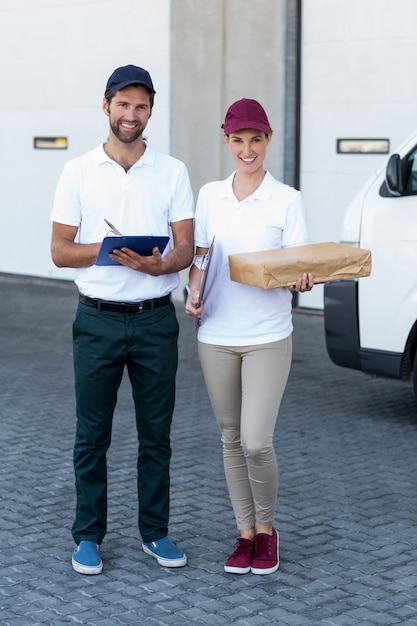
(415, 375)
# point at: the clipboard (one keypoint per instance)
(204, 268)
(142, 244)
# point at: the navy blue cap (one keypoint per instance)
(129, 75)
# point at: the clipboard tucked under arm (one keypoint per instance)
(203, 264)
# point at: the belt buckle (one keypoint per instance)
(140, 307)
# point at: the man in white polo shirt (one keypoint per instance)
(125, 317)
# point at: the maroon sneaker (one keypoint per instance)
(241, 559)
(265, 553)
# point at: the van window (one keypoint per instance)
(410, 174)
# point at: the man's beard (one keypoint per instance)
(128, 137)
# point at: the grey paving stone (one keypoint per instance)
(346, 511)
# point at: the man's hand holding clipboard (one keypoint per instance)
(197, 283)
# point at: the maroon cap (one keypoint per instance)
(246, 113)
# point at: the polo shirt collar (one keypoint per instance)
(263, 192)
(147, 158)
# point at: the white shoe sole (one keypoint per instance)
(236, 570)
(87, 569)
(270, 570)
(166, 562)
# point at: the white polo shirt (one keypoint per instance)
(272, 217)
(145, 200)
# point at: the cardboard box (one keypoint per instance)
(281, 268)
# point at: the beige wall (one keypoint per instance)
(224, 50)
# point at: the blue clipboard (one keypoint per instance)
(142, 244)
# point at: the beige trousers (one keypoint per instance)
(245, 386)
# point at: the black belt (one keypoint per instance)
(126, 307)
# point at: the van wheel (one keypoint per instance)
(415, 376)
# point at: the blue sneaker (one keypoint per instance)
(165, 552)
(86, 558)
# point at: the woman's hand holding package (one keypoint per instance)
(304, 283)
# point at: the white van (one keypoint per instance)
(371, 323)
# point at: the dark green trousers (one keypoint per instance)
(104, 344)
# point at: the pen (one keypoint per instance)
(113, 228)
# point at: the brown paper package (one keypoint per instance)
(281, 268)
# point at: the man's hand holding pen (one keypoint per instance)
(152, 264)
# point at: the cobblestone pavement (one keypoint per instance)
(347, 507)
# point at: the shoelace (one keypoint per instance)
(263, 544)
(244, 546)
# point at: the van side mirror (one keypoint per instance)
(394, 176)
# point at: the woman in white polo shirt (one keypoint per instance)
(245, 332)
